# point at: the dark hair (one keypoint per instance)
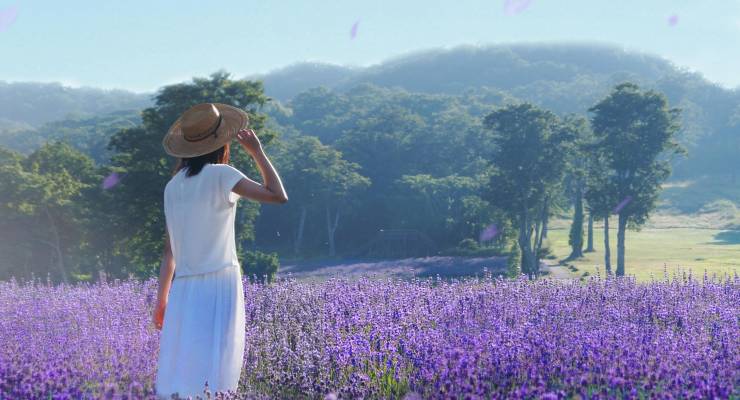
(196, 164)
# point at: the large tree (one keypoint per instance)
(599, 195)
(636, 132)
(527, 166)
(138, 201)
(576, 180)
(44, 210)
(320, 182)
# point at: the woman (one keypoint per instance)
(203, 328)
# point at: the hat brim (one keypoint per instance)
(234, 120)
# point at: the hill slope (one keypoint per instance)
(34, 104)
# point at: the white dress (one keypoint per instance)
(203, 332)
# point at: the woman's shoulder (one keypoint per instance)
(223, 168)
(173, 178)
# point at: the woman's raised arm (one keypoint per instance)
(272, 191)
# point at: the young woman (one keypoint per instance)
(201, 312)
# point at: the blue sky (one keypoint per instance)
(142, 45)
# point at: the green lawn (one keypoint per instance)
(650, 250)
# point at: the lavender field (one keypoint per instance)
(483, 338)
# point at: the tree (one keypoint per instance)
(138, 201)
(320, 180)
(576, 180)
(636, 131)
(590, 234)
(575, 236)
(527, 165)
(599, 195)
(43, 210)
(448, 209)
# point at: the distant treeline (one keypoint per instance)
(357, 163)
(393, 160)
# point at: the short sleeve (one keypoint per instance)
(229, 176)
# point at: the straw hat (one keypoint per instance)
(204, 128)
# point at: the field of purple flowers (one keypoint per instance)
(487, 338)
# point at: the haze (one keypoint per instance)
(143, 45)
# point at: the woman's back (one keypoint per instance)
(200, 212)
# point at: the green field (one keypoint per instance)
(651, 250)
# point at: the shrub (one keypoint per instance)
(513, 263)
(468, 244)
(259, 266)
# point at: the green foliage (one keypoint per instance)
(37, 103)
(449, 208)
(528, 163)
(136, 208)
(321, 181)
(635, 132)
(366, 157)
(259, 266)
(468, 244)
(546, 250)
(575, 237)
(421, 153)
(90, 135)
(45, 211)
(513, 262)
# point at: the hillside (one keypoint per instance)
(34, 103)
(564, 78)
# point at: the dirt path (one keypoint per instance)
(558, 272)
(445, 267)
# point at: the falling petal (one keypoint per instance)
(353, 31)
(489, 233)
(673, 20)
(512, 7)
(621, 205)
(111, 180)
(7, 17)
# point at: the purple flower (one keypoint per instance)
(372, 338)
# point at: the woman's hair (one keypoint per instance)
(195, 164)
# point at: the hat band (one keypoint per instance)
(213, 131)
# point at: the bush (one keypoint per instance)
(468, 244)
(260, 267)
(546, 252)
(513, 267)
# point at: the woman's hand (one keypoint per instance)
(249, 141)
(158, 315)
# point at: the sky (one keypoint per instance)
(143, 45)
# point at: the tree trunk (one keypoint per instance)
(576, 228)
(620, 243)
(57, 246)
(525, 244)
(299, 235)
(607, 249)
(545, 218)
(331, 229)
(590, 244)
(539, 236)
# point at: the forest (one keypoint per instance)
(468, 151)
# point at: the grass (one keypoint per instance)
(652, 250)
